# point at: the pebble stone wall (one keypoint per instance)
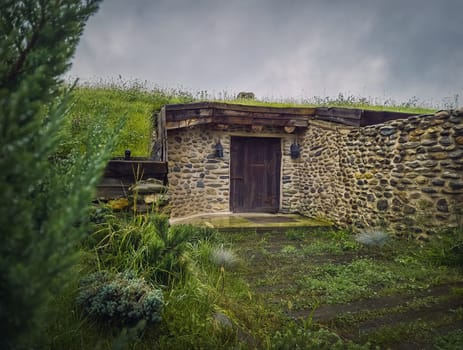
(198, 181)
(407, 173)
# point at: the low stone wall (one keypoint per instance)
(407, 173)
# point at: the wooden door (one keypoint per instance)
(255, 174)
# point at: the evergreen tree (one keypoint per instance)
(39, 208)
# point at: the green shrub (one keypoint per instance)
(40, 207)
(121, 299)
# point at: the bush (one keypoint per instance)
(40, 207)
(121, 298)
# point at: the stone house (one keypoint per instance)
(350, 166)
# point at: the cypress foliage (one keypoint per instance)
(40, 208)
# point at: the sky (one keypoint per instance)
(280, 49)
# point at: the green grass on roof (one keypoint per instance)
(107, 104)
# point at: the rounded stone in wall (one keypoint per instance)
(388, 194)
(408, 221)
(382, 205)
(442, 205)
(408, 209)
(445, 141)
(442, 114)
(438, 182)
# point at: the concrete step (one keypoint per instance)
(253, 222)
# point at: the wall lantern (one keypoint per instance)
(127, 154)
(295, 150)
(218, 150)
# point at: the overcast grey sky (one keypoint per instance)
(281, 48)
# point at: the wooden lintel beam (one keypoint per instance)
(307, 111)
(187, 122)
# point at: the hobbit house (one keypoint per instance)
(350, 166)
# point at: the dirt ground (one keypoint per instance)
(414, 311)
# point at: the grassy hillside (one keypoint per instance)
(105, 105)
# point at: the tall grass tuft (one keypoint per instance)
(372, 237)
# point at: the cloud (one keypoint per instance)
(296, 48)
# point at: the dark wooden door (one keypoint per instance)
(255, 174)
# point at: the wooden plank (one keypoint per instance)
(239, 107)
(266, 109)
(111, 192)
(128, 169)
(163, 134)
(340, 120)
(182, 115)
(186, 123)
(187, 106)
(379, 117)
(345, 113)
(247, 118)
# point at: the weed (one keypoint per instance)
(223, 257)
(289, 249)
(296, 337)
(347, 282)
(372, 237)
(296, 234)
(445, 248)
(344, 239)
(449, 341)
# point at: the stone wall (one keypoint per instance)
(323, 187)
(290, 192)
(408, 173)
(198, 181)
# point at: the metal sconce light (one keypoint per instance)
(218, 150)
(295, 150)
(127, 154)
